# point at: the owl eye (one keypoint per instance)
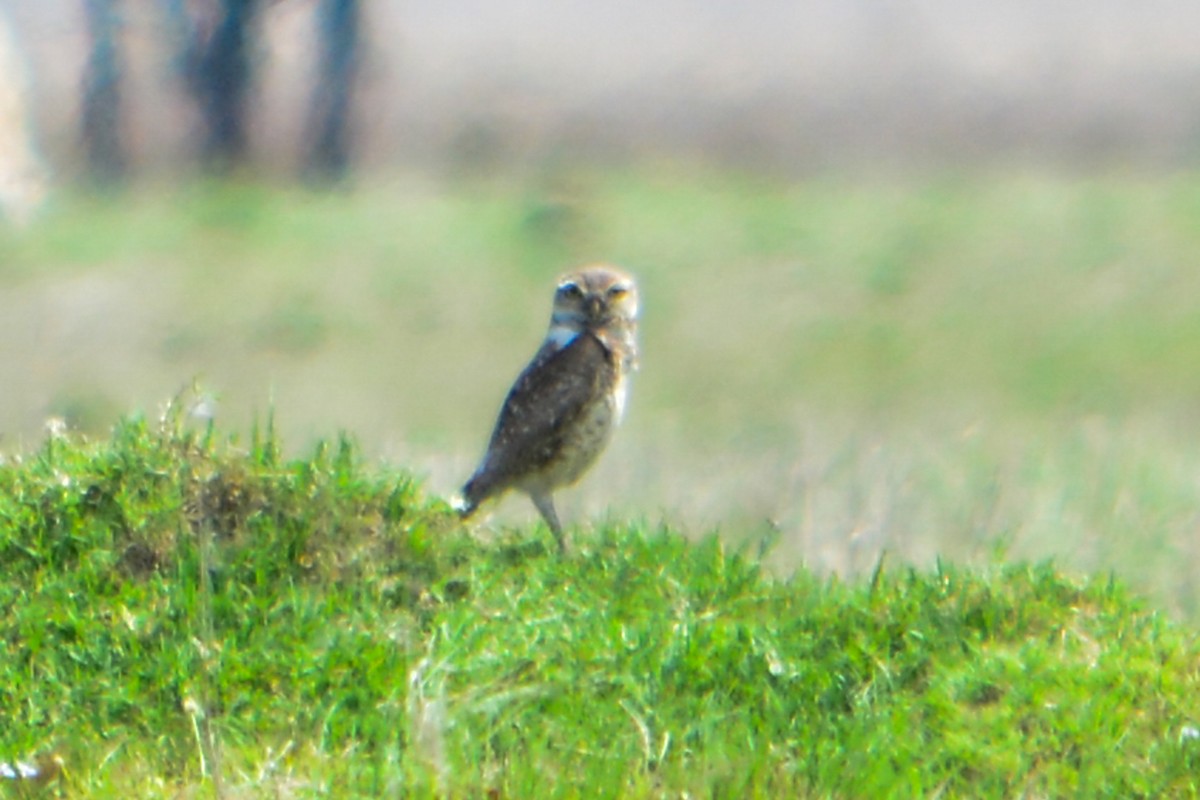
(617, 291)
(570, 290)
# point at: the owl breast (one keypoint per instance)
(582, 442)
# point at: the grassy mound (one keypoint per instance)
(185, 613)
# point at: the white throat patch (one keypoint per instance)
(561, 336)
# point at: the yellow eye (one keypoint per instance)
(617, 291)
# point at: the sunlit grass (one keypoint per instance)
(187, 615)
(956, 373)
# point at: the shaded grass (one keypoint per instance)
(184, 613)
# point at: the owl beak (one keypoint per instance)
(593, 307)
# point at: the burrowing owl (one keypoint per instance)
(561, 411)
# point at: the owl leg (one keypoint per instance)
(545, 505)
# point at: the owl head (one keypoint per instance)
(595, 298)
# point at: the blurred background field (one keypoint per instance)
(918, 278)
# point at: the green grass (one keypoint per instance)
(189, 615)
(939, 368)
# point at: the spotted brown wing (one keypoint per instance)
(546, 400)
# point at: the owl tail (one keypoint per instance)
(474, 493)
(463, 506)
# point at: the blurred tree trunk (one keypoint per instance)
(220, 71)
(101, 114)
(181, 32)
(329, 123)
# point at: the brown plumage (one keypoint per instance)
(560, 413)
